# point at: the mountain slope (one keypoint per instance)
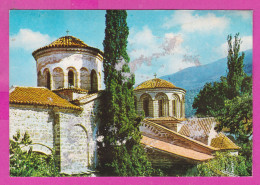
(194, 78)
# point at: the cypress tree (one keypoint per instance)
(120, 152)
(235, 65)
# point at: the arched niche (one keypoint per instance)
(175, 105)
(47, 78)
(94, 81)
(58, 78)
(84, 81)
(163, 104)
(147, 104)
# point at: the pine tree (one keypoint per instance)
(235, 65)
(120, 152)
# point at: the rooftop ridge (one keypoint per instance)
(183, 136)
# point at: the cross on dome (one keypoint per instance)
(67, 32)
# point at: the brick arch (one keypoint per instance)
(58, 78)
(47, 78)
(84, 78)
(163, 104)
(147, 104)
(72, 76)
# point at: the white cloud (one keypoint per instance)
(191, 23)
(29, 40)
(163, 55)
(146, 48)
(247, 43)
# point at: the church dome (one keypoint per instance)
(155, 83)
(67, 42)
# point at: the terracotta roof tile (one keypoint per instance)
(176, 150)
(38, 96)
(223, 142)
(197, 127)
(156, 83)
(180, 135)
(74, 89)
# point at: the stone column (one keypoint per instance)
(170, 108)
(155, 108)
(77, 79)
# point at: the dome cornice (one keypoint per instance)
(156, 83)
(66, 42)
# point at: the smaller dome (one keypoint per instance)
(155, 83)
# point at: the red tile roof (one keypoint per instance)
(223, 142)
(156, 83)
(169, 131)
(38, 96)
(176, 150)
(197, 127)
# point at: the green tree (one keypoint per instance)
(25, 163)
(211, 98)
(120, 152)
(235, 66)
(224, 164)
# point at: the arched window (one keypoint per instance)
(146, 106)
(47, 78)
(163, 105)
(71, 78)
(94, 81)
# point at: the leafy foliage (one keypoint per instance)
(27, 163)
(235, 67)
(120, 152)
(224, 164)
(230, 101)
(211, 98)
(237, 117)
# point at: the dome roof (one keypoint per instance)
(156, 83)
(67, 42)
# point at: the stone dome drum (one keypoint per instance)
(69, 63)
(160, 98)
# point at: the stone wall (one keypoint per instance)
(37, 122)
(78, 139)
(81, 63)
(71, 133)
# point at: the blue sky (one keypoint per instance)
(160, 41)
